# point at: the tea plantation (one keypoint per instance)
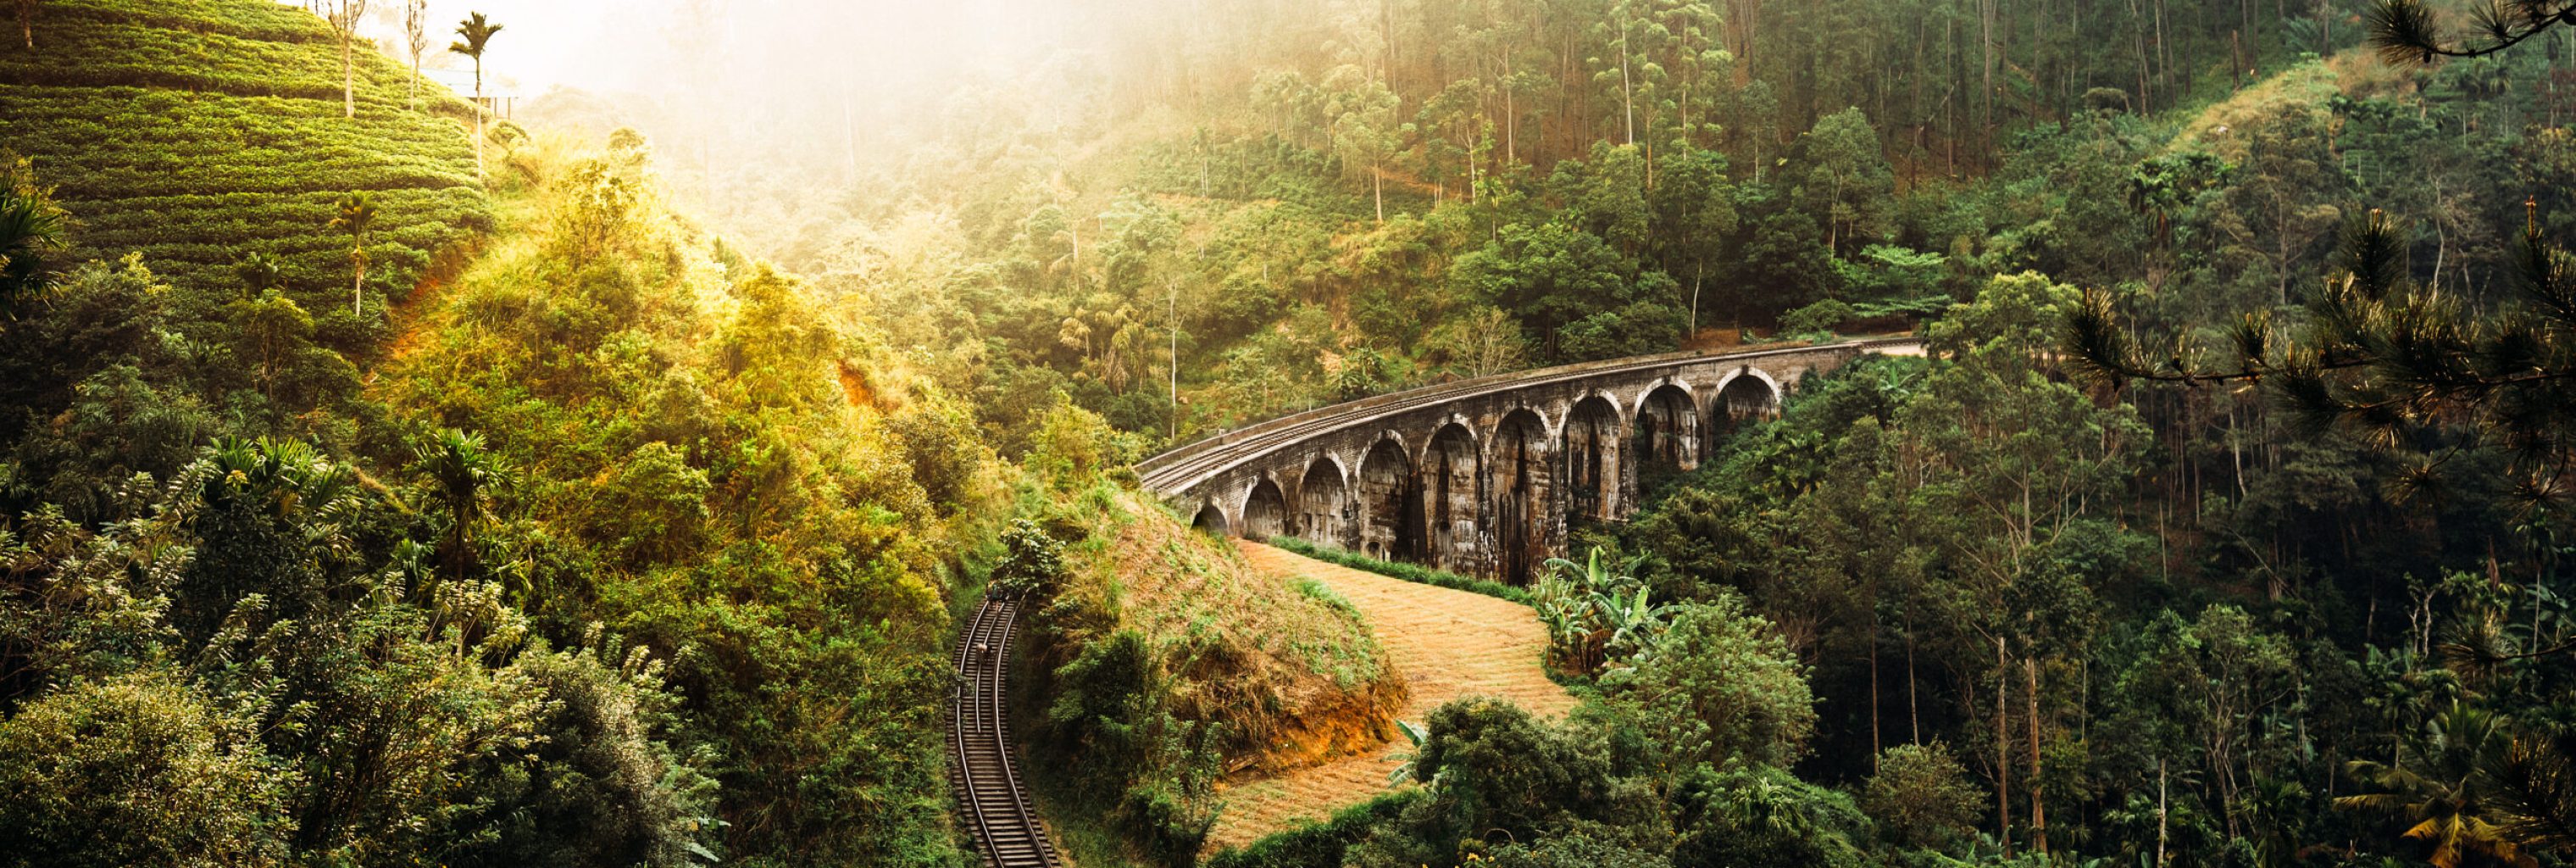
(195, 134)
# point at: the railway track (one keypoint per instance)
(991, 800)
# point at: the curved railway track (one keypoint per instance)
(991, 800)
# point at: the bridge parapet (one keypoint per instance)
(1483, 476)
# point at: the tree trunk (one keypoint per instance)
(348, 73)
(1377, 186)
(2003, 748)
(1627, 97)
(478, 119)
(1875, 748)
(2038, 810)
(1913, 709)
(1696, 268)
(2160, 811)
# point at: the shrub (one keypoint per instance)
(1762, 817)
(1121, 745)
(1321, 845)
(1921, 796)
(1721, 687)
(1407, 572)
(1820, 318)
(137, 770)
(598, 786)
(1032, 562)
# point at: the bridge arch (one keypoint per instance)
(1667, 435)
(1450, 472)
(1744, 395)
(1324, 503)
(1524, 491)
(1390, 500)
(1265, 510)
(1593, 434)
(1212, 520)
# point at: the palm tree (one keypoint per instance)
(461, 475)
(477, 31)
(357, 216)
(30, 226)
(2535, 791)
(258, 274)
(2441, 785)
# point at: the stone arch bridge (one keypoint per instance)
(1483, 476)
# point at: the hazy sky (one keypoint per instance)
(626, 44)
(585, 43)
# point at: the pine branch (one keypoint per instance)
(2406, 35)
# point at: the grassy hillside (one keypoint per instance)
(1163, 661)
(198, 133)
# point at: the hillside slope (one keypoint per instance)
(1446, 644)
(198, 133)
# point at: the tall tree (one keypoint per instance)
(27, 22)
(357, 216)
(1847, 177)
(477, 32)
(416, 40)
(1365, 127)
(345, 17)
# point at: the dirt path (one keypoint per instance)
(1447, 643)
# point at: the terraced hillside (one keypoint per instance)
(196, 133)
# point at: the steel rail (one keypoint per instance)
(992, 799)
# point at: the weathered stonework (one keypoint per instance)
(1482, 476)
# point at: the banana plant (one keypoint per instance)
(1416, 734)
(1598, 609)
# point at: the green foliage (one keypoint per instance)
(597, 784)
(1122, 746)
(1764, 816)
(139, 770)
(1721, 688)
(1819, 319)
(1320, 845)
(1571, 286)
(1500, 769)
(31, 228)
(1032, 562)
(1597, 614)
(1576, 851)
(1073, 446)
(1921, 796)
